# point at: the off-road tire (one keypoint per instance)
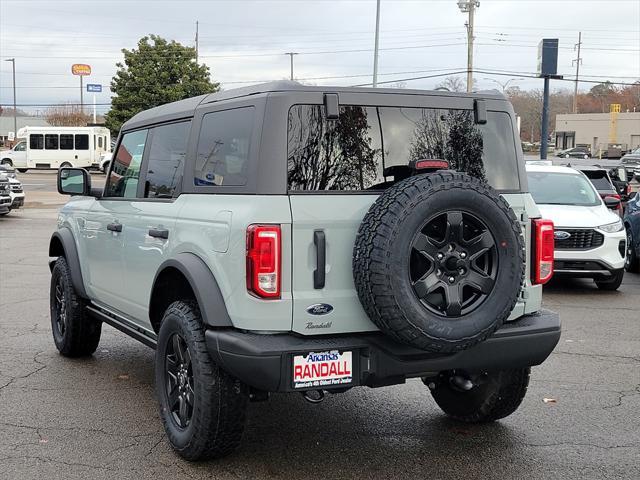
(632, 261)
(497, 396)
(81, 333)
(220, 401)
(382, 249)
(612, 283)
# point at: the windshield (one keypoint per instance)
(555, 188)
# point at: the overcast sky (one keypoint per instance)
(244, 42)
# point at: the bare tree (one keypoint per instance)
(453, 84)
(66, 116)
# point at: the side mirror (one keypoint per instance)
(612, 202)
(74, 181)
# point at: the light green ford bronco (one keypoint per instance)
(285, 238)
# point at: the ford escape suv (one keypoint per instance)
(286, 238)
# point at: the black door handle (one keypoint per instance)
(114, 227)
(321, 259)
(158, 233)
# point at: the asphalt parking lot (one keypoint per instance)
(97, 418)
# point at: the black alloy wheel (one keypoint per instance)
(179, 381)
(60, 308)
(453, 263)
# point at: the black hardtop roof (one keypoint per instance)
(187, 107)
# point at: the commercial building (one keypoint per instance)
(597, 129)
(6, 124)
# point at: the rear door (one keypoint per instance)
(337, 169)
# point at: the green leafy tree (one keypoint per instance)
(157, 72)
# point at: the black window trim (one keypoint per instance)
(520, 190)
(140, 192)
(112, 162)
(221, 188)
(142, 179)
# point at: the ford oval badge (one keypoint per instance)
(319, 309)
(561, 235)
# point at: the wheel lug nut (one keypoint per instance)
(451, 279)
(440, 256)
(463, 255)
(461, 271)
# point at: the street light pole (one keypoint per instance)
(503, 85)
(15, 110)
(375, 49)
(469, 6)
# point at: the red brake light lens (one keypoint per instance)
(440, 164)
(545, 245)
(264, 260)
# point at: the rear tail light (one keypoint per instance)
(264, 250)
(544, 246)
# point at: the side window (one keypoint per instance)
(123, 180)
(66, 141)
(21, 147)
(51, 141)
(223, 147)
(36, 141)
(82, 141)
(166, 159)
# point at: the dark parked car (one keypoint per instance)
(576, 152)
(632, 224)
(632, 162)
(603, 183)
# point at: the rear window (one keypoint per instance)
(556, 188)
(358, 151)
(599, 180)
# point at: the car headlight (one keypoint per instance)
(612, 227)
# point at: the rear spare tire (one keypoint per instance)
(439, 261)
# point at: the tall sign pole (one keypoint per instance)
(94, 88)
(547, 69)
(81, 70)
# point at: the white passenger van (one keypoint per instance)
(55, 147)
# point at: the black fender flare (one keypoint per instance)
(70, 253)
(204, 286)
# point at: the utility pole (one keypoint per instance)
(15, 111)
(375, 48)
(291, 54)
(197, 41)
(469, 6)
(577, 62)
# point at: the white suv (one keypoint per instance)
(590, 239)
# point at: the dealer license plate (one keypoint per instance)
(322, 369)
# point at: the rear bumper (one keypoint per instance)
(265, 361)
(585, 269)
